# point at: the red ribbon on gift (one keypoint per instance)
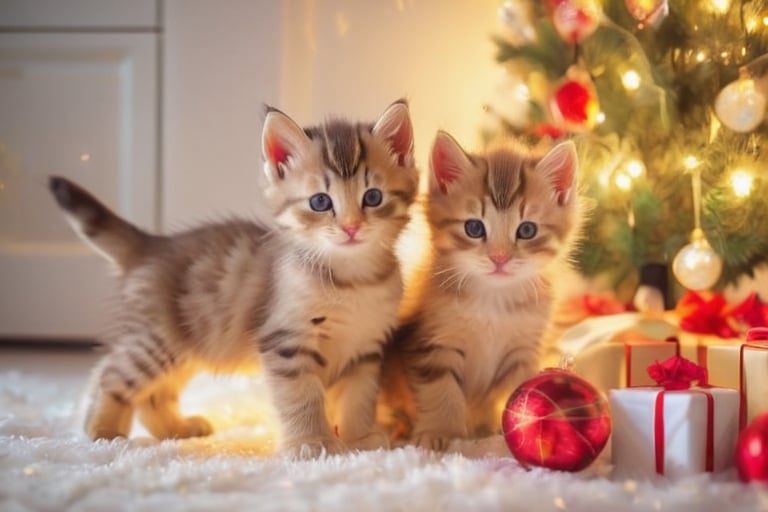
(709, 313)
(628, 346)
(757, 339)
(677, 374)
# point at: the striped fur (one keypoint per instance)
(476, 311)
(308, 302)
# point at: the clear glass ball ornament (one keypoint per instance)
(740, 105)
(697, 266)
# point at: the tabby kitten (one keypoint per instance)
(312, 300)
(501, 224)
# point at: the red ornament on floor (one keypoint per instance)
(556, 420)
(752, 451)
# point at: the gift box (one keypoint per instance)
(713, 332)
(672, 432)
(743, 365)
(614, 351)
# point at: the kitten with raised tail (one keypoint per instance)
(311, 300)
(502, 224)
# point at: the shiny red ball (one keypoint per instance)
(752, 451)
(556, 420)
(573, 101)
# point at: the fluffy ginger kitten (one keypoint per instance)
(312, 300)
(502, 223)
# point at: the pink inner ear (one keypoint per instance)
(401, 142)
(277, 153)
(562, 179)
(444, 168)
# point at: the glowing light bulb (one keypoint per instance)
(721, 6)
(690, 162)
(701, 56)
(600, 117)
(631, 80)
(635, 168)
(623, 181)
(741, 181)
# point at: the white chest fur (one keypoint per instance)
(489, 336)
(341, 323)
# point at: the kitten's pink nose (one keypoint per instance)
(499, 257)
(351, 229)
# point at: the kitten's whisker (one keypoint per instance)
(462, 281)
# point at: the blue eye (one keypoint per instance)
(527, 230)
(372, 197)
(320, 202)
(474, 228)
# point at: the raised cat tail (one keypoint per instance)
(111, 236)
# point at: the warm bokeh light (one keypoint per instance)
(623, 181)
(604, 178)
(631, 80)
(691, 162)
(721, 6)
(600, 117)
(522, 91)
(635, 168)
(741, 181)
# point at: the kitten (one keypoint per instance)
(312, 300)
(501, 225)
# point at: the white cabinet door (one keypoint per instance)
(81, 105)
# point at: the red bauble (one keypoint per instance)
(575, 20)
(556, 420)
(574, 105)
(752, 450)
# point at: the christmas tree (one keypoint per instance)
(666, 101)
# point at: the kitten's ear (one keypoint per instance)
(394, 126)
(559, 166)
(448, 162)
(281, 139)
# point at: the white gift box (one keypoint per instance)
(676, 434)
(614, 351)
(742, 366)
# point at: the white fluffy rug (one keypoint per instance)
(46, 464)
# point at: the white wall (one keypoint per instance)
(355, 57)
(221, 64)
(310, 58)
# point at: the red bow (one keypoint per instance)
(677, 373)
(710, 314)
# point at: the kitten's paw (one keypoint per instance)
(96, 433)
(303, 449)
(370, 442)
(102, 430)
(194, 426)
(435, 441)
